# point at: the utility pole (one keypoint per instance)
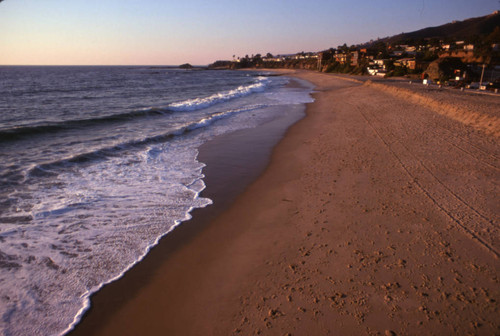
(482, 74)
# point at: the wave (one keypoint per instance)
(18, 133)
(47, 169)
(69, 89)
(201, 103)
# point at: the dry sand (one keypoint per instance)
(377, 215)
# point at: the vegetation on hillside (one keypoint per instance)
(455, 49)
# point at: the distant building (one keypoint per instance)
(273, 59)
(377, 67)
(305, 55)
(341, 57)
(397, 53)
(409, 63)
(355, 58)
(379, 63)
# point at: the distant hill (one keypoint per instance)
(480, 26)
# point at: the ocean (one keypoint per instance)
(97, 164)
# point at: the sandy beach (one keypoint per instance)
(378, 214)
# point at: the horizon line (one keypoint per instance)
(101, 65)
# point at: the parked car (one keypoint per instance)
(484, 86)
(495, 86)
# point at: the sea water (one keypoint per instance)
(97, 164)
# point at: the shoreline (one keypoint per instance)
(352, 228)
(233, 161)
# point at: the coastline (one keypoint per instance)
(233, 161)
(346, 231)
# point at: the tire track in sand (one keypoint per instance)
(471, 221)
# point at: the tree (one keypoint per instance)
(435, 42)
(428, 56)
(343, 47)
(389, 65)
(447, 67)
(494, 37)
(380, 49)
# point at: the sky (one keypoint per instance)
(171, 32)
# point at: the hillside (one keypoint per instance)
(480, 26)
(469, 42)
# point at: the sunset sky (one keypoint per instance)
(147, 32)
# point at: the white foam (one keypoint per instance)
(126, 209)
(221, 115)
(199, 103)
(199, 185)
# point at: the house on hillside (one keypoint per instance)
(409, 63)
(379, 63)
(273, 59)
(377, 67)
(341, 57)
(302, 55)
(397, 53)
(286, 57)
(355, 58)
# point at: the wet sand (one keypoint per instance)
(377, 215)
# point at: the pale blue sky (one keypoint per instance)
(143, 32)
